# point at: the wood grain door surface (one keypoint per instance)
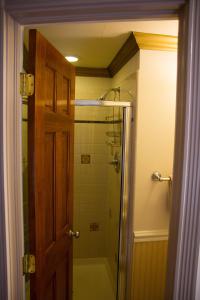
(50, 143)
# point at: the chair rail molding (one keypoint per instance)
(150, 236)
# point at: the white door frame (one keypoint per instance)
(11, 168)
(185, 225)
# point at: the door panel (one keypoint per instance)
(63, 171)
(63, 94)
(50, 290)
(51, 119)
(49, 197)
(62, 280)
(49, 88)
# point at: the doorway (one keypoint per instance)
(95, 226)
(185, 214)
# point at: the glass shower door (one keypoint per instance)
(97, 201)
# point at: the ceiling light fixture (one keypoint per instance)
(71, 58)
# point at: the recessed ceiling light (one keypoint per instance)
(71, 58)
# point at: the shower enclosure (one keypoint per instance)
(102, 206)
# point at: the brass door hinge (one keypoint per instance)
(28, 264)
(26, 85)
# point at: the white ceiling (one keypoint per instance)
(97, 43)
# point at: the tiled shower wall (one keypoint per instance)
(90, 183)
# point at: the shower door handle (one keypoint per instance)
(74, 234)
(116, 162)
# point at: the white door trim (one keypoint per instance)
(3, 265)
(12, 157)
(184, 234)
(35, 12)
(185, 224)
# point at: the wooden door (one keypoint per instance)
(50, 142)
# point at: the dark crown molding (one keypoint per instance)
(92, 72)
(135, 42)
(125, 53)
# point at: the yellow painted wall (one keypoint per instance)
(154, 146)
(91, 88)
(155, 128)
(126, 78)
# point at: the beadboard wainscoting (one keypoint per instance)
(149, 265)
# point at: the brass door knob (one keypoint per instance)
(74, 234)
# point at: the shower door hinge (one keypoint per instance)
(26, 85)
(28, 264)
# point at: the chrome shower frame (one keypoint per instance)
(126, 200)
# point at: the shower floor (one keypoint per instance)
(91, 280)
